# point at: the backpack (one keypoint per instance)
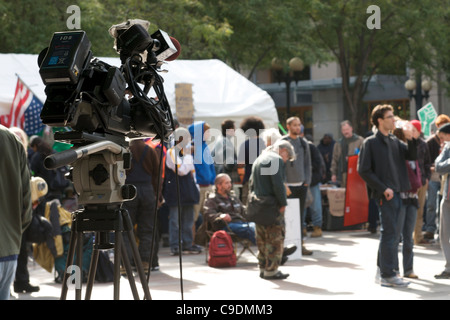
(221, 250)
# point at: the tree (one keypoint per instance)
(27, 26)
(341, 27)
(264, 29)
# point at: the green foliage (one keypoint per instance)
(249, 33)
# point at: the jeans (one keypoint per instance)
(243, 230)
(7, 272)
(405, 229)
(187, 221)
(388, 249)
(315, 207)
(432, 206)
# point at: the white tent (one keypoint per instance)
(219, 92)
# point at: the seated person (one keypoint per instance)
(222, 207)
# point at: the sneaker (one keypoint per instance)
(394, 282)
(174, 251)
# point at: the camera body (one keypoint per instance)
(89, 95)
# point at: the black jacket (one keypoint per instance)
(373, 163)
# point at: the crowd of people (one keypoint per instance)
(406, 178)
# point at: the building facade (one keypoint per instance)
(319, 100)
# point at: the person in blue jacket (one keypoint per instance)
(205, 172)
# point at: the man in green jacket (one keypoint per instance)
(268, 179)
(15, 206)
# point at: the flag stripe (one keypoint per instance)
(25, 111)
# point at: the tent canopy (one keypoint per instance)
(219, 92)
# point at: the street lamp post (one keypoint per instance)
(418, 85)
(287, 74)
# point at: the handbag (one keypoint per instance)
(262, 210)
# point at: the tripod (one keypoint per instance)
(98, 175)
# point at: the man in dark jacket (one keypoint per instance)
(222, 208)
(15, 206)
(382, 165)
(268, 179)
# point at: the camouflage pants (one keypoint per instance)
(270, 242)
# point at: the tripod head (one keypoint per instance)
(98, 171)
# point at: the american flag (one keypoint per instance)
(25, 111)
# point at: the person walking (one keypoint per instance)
(382, 165)
(15, 206)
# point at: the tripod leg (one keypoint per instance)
(130, 276)
(136, 256)
(69, 261)
(79, 263)
(117, 258)
(92, 268)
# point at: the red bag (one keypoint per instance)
(221, 250)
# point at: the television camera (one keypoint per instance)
(105, 106)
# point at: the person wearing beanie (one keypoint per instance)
(424, 160)
(442, 166)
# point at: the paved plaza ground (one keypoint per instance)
(343, 267)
